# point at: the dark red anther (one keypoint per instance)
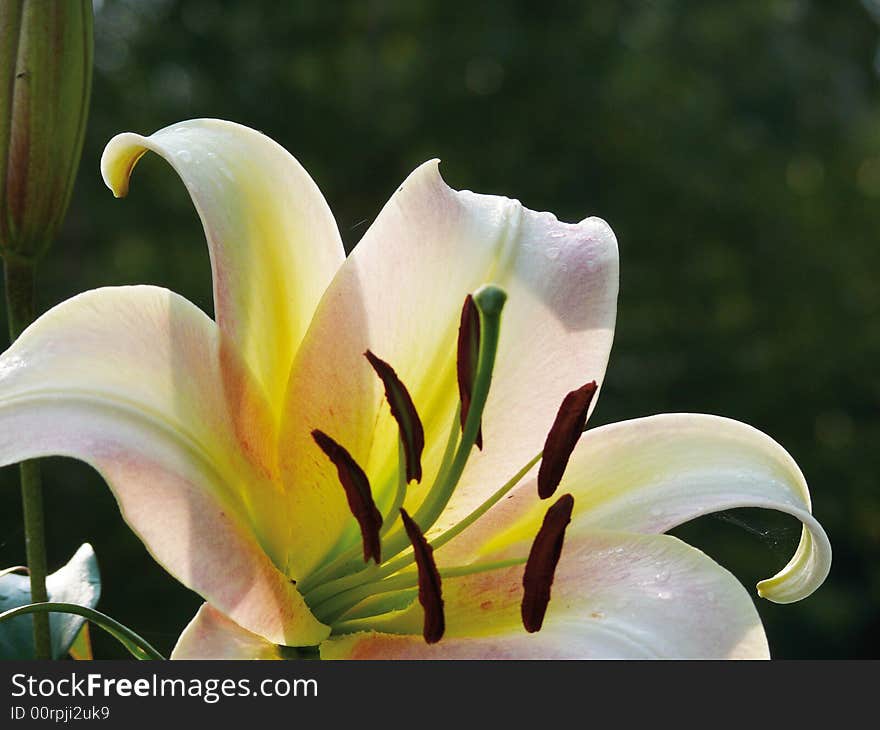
(358, 493)
(541, 565)
(404, 411)
(468, 357)
(564, 434)
(430, 592)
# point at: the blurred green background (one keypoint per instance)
(734, 146)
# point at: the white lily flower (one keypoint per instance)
(239, 450)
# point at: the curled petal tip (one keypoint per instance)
(119, 159)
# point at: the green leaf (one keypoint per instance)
(78, 582)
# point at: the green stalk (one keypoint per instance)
(19, 276)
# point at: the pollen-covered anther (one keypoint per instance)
(430, 590)
(468, 359)
(571, 419)
(358, 493)
(412, 435)
(542, 561)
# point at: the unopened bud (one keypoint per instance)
(46, 49)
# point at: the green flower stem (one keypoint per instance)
(19, 275)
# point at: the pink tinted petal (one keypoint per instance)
(615, 595)
(128, 380)
(211, 635)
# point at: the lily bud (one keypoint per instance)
(46, 50)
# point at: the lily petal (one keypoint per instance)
(400, 293)
(651, 474)
(211, 635)
(128, 380)
(273, 241)
(615, 595)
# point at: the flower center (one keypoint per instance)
(378, 576)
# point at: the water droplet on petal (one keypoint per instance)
(184, 155)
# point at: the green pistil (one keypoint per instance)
(490, 301)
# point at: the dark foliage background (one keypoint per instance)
(733, 145)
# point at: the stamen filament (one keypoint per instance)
(449, 451)
(391, 515)
(325, 591)
(337, 605)
(459, 527)
(330, 611)
(376, 605)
